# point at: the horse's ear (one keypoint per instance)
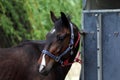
(65, 21)
(53, 17)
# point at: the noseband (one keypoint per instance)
(70, 47)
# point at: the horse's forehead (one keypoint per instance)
(53, 31)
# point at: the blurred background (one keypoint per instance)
(30, 19)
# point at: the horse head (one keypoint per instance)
(61, 43)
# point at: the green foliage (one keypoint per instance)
(39, 13)
(30, 19)
(14, 23)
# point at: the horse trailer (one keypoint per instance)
(101, 42)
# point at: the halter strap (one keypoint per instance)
(57, 58)
(77, 39)
(77, 58)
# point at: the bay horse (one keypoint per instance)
(62, 45)
(20, 62)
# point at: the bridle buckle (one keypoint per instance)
(57, 58)
(70, 46)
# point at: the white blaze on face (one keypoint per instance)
(43, 63)
(52, 31)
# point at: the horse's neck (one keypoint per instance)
(37, 44)
(64, 71)
(58, 73)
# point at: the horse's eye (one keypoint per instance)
(60, 37)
